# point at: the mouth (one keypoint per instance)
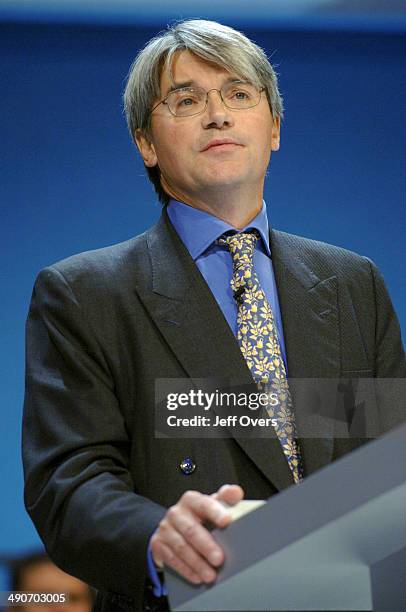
(220, 145)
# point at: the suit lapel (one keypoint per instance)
(184, 309)
(309, 307)
(309, 310)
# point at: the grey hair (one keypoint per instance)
(209, 40)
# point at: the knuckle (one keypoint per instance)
(154, 540)
(190, 531)
(209, 505)
(180, 548)
(170, 557)
(162, 526)
(171, 512)
(189, 496)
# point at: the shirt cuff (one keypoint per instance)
(158, 588)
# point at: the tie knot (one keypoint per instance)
(241, 247)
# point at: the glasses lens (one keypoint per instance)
(186, 101)
(240, 95)
(189, 101)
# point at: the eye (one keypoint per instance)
(185, 98)
(241, 95)
(186, 102)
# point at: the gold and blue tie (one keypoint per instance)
(258, 340)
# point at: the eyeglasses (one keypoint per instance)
(189, 101)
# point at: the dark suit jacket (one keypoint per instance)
(103, 325)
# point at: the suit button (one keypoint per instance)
(187, 466)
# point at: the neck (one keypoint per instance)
(235, 208)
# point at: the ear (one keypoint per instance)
(146, 148)
(275, 133)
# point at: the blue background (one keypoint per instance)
(71, 179)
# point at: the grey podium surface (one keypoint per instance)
(330, 543)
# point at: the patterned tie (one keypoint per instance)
(258, 340)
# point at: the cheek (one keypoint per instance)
(171, 147)
(266, 141)
(263, 130)
(261, 139)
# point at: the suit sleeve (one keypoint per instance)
(390, 363)
(390, 356)
(76, 450)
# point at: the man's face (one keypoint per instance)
(190, 170)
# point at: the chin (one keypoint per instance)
(226, 175)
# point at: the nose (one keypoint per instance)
(216, 114)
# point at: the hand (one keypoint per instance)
(182, 543)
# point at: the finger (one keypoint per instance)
(171, 560)
(205, 508)
(182, 522)
(231, 494)
(174, 540)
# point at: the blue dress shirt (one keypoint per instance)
(199, 230)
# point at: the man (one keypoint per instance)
(112, 502)
(35, 573)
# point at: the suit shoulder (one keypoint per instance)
(105, 266)
(309, 245)
(328, 257)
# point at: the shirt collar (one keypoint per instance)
(198, 229)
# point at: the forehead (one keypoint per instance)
(187, 67)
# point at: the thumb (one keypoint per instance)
(230, 494)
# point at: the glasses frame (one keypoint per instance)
(164, 100)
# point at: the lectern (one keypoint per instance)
(336, 541)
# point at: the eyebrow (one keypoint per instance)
(175, 86)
